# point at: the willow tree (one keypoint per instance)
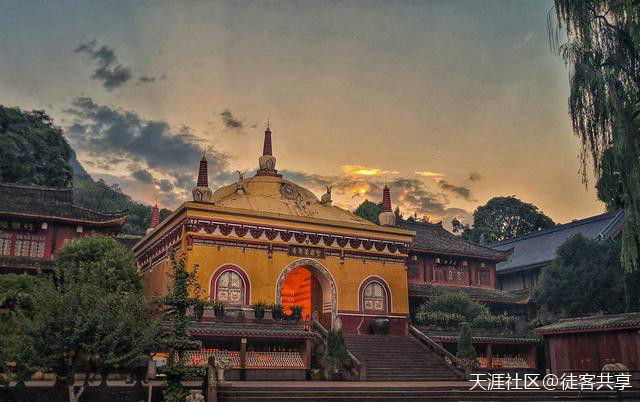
(599, 41)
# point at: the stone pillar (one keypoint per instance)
(307, 354)
(489, 354)
(243, 358)
(212, 390)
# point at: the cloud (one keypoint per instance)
(109, 71)
(460, 191)
(357, 170)
(145, 80)
(153, 152)
(143, 176)
(427, 173)
(411, 195)
(230, 121)
(474, 176)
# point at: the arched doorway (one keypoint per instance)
(308, 283)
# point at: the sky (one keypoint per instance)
(450, 103)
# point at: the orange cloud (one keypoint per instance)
(357, 170)
(427, 173)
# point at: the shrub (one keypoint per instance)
(259, 307)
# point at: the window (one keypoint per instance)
(374, 296)
(230, 288)
(484, 278)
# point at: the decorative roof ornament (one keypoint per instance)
(241, 187)
(326, 197)
(386, 217)
(267, 161)
(202, 192)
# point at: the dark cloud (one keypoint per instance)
(230, 121)
(109, 71)
(460, 191)
(143, 176)
(164, 185)
(107, 134)
(145, 80)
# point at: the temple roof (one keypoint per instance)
(433, 238)
(479, 294)
(538, 248)
(609, 322)
(52, 204)
(272, 193)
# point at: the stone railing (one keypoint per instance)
(455, 363)
(503, 362)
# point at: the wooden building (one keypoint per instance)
(441, 262)
(588, 343)
(35, 222)
(533, 251)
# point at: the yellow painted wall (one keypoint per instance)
(263, 273)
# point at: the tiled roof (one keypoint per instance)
(609, 322)
(432, 237)
(539, 248)
(51, 203)
(479, 294)
(480, 337)
(208, 328)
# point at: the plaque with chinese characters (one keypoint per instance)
(302, 251)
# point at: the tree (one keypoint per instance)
(466, 352)
(89, 315)
(502, 218)
(369, 210)
(183, 295)
(32, 149)
(609, 184)
(98, 195)
(16, 307)
(602, 50)
(587, 278)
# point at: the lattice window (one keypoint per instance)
(374, 299)
(484, 278)
(5, 246)
(230, 288)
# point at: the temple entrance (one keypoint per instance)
(307, 283)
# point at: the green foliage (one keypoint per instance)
(277, 310)
(259, 307)
(369, 210)
(174, 392)
(609, 185)
(601, 48)
(337, 355)
(91, 313)
(466, 352)
(586, 278)
(502, 218)
(32, 149)
(296, 312)
(453, 308)
(98, 195)
(184, 294)
(16, 309)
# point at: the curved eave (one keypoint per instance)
(503, 257)
(116, 221)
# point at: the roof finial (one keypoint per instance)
(386, 217)
(202, 192)
(267, 161)
(268, 124)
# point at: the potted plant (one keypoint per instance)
(277, 310)
(218, 308)
(259, 307)
(296, 313)
(198, 309)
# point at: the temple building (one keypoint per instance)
(35, 222)
(441, 262)
(533, 251)
(265, 238)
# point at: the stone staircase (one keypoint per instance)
(399, 358)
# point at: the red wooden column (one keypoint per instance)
(489, 354)
(243, 357)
